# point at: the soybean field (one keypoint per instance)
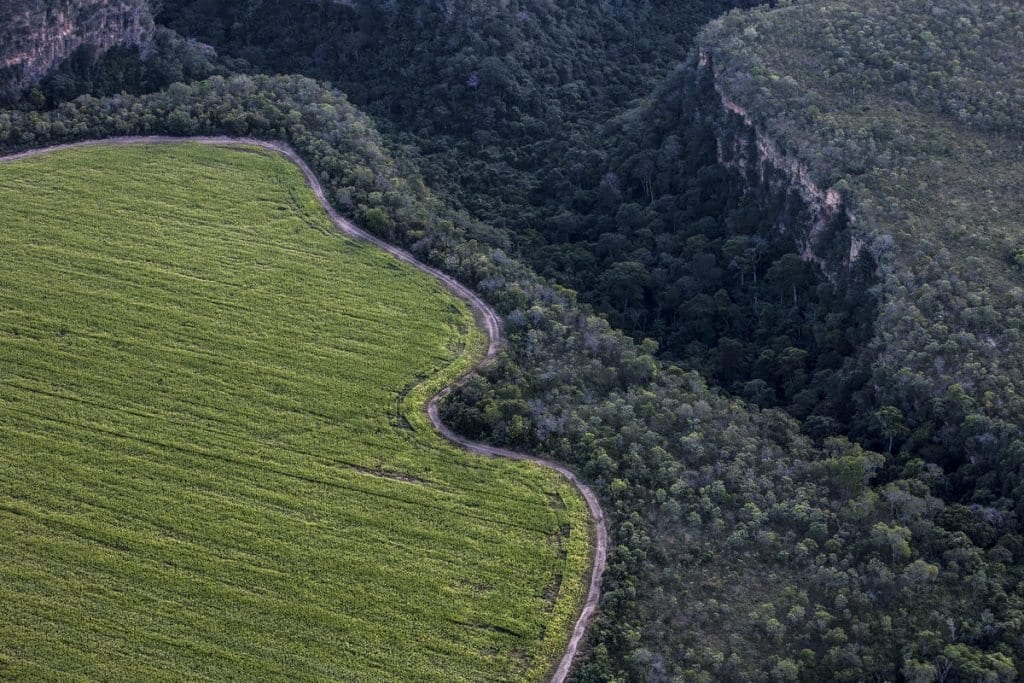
(214, 461)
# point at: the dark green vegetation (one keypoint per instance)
(502, 103)
(652, 231)
(868, 530)
(917, 124)
(169, 59)
(207, 467)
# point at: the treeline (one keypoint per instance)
(518, 112)
(741, 550)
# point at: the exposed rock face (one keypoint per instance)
(37, 35)
(751, 151)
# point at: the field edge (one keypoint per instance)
(584, 554)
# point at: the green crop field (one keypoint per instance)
(213, 460)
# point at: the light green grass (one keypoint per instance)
(204, 466)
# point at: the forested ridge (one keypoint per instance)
(813, 473)
(914, 124)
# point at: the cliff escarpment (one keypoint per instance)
(35, 36)
(815, 215)
(883, 103)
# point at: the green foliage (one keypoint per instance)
(747, 543)
(503, 101)
(168, 60)
(516, 94)
(936, 205)
(911, 111)
(206, 456)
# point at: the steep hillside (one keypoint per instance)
(907, 123)
(37, 35)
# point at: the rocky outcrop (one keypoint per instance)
(37, 35)
(817, 216)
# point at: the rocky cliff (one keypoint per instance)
(37, 35)
(816, 216)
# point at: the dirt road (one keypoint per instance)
(486, 316)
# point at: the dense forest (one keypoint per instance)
(811, 457)
(502, 103)
(904, 119)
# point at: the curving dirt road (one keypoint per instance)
(486, 316)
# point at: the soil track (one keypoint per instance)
(486, 317)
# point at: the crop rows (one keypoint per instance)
(204, 468)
